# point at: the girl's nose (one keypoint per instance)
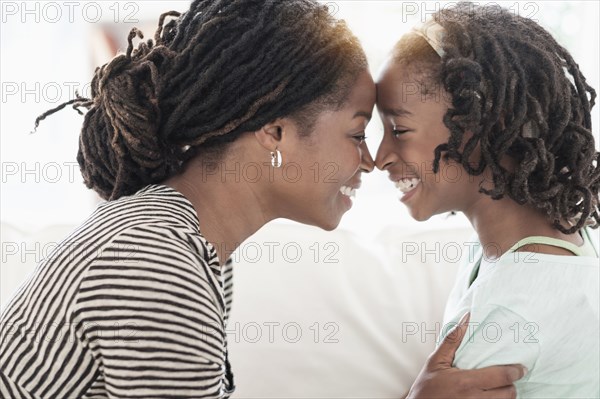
(385, 157)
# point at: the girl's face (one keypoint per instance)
(413, 128)
(322, 171)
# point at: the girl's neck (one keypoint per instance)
(501, 223)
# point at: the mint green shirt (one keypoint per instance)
(538, 310)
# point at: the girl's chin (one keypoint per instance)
(417, 214)
(422, 218)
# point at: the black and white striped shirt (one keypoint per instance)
(133, 304)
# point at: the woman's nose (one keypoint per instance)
(366, 163)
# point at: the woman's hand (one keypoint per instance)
(438, 379)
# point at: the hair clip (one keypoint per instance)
(433, 33)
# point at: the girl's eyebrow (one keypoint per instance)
(396, 111)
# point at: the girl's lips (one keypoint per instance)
(397, 178)
(406, 195)
(406, 185)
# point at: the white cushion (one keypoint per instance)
(367, 322)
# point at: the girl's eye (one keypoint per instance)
(398, 132)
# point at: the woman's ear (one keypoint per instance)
(272, 135)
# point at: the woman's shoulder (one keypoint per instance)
(154, 210)
(153, 204)
(155, 222)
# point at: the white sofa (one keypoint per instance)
(315, 313)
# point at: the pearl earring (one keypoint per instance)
(276, 158)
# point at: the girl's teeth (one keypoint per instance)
(406, 185)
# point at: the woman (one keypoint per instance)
(140, 294)
(486, 114)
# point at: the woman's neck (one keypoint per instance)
(229, 208)
(502, 223)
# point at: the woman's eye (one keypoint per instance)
(360, 138)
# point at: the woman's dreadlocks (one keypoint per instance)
(222, 68)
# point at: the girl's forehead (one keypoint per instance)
(394, 72)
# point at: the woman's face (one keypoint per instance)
(413, 128)
(322, 171)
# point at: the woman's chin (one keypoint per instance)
(330, 227)
(330, 224)
(330, 220)
(327, 222)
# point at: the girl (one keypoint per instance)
(485, 113)
(134, 303)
